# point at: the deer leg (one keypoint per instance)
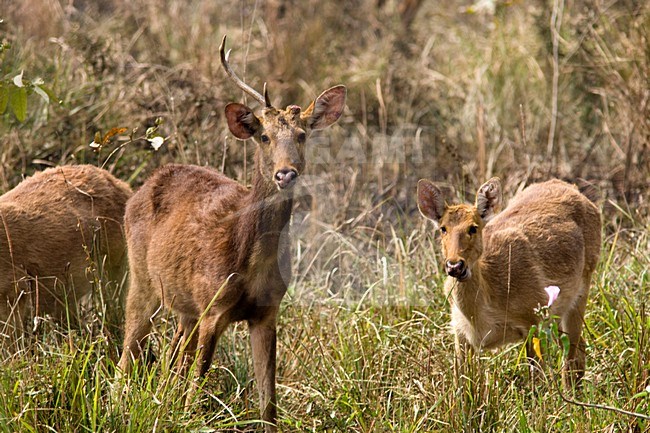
(263, 343)
(461, 351)
(140, 307)
(202, 345)
(572, 323)
(184, 350)
(210, 329)
(176, 344)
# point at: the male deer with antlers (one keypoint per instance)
(498, 264)
(212, 250)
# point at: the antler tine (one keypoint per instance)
(238, 81)
(267, 100)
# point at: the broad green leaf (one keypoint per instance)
(18, 103)
(4, 98)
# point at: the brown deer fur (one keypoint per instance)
(499, 263)
(216, 252)
(50, 224)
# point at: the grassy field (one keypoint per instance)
(454, 93)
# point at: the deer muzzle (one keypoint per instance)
(285, 177)
(457, 269)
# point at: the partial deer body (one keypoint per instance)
(216, 252)
(51, 225)
(498, 264)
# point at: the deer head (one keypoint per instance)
(460, 225)
(280, 134)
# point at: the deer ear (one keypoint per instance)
(430, 201)
(326, 109)
(241, 121)
(488, 199)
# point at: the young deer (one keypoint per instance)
(212, 250)
(498, 264)
(51, 225)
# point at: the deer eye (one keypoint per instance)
(472, 230)
(443, 230)
(265, 139)
(302, 137)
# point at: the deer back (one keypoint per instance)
(56, 227)
(550, 231)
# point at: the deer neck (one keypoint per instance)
(266, 214)
(469, 296)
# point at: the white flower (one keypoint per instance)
(94, 144)
(553, 292)
(156, 142)
(18, 80)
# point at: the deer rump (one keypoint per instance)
(59, 227)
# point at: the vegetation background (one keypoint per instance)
(452, 91)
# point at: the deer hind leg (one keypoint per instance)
(176, 344)
(210, 329)
(140, 308)
(264, 347)
(183, 346)
(572, 323)
(205, 339)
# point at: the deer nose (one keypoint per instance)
(456, 269)
(285, 177)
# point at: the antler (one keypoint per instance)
(265, 100)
